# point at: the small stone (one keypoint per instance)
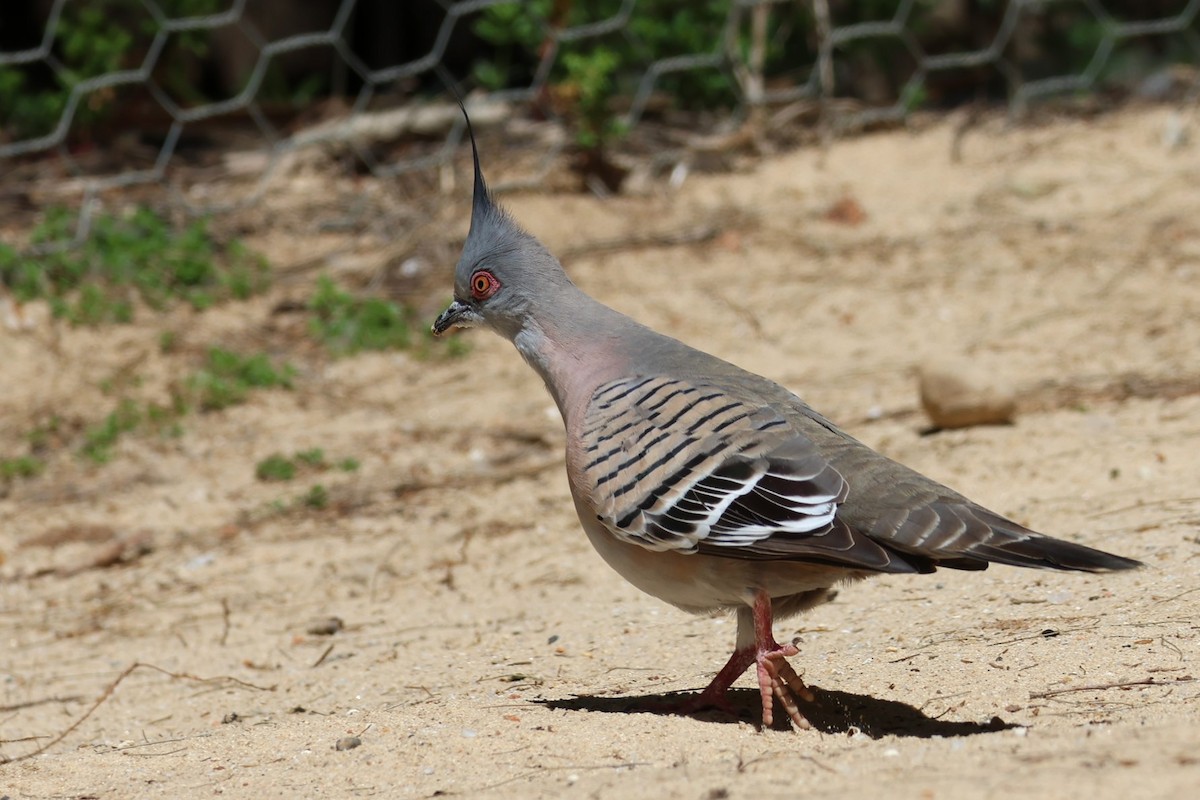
(325, 627)
(347, 743)
(959, 395)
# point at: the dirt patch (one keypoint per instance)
(482, 647)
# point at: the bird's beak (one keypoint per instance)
(456, 315)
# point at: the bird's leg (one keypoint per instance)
(776, 678)
(715, 694)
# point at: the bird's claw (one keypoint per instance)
(778, 680)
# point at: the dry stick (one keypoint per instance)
(224, 621)
(759, 17)
(1099, 687)
(760, 22)
(112, 687)
(162, 741)
(74, 698)
(825, 65)
(1145, 504)
(1177, 596)
(324, 656)
(743, 765)
(367, 128)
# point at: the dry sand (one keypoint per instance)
(486, 650)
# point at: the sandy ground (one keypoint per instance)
(486, 650)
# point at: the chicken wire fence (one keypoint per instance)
(106, 98)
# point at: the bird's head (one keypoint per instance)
(501, 271)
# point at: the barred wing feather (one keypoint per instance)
(748, 487)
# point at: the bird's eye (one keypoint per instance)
(483, 285)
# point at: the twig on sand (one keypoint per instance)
(112, 687)
(1099, 687)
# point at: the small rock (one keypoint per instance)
(846, 211)
(347, 743)
(959, 395)
(325, 627)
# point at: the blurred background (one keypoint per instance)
(197, 105)
(167, 154)
(229, 446)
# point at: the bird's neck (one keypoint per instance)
(575, 346)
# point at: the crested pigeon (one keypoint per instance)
(712, 488)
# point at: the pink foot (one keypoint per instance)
(777, 680)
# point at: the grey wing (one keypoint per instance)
(907, 512)
(963, 535)
(683, 466)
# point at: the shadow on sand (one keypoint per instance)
(831, 712)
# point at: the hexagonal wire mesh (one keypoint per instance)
(737, 46)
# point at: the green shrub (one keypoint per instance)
(588, 73)
(228, 378)
(278, 467)
(275, 467)
(347, 324)
(20, 467)
(313, 458)
(99, 439)
(92, 39)
(123, 258)
(317, 497)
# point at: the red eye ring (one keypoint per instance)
(483, 285)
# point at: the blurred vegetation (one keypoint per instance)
(347, 324)
(138, 256)
(316, 498)
(591, 76)
(91, 39)
(20, 467)
(141, 260)
(129, 415)
(228, 378)
(278, 467)
(588, 74)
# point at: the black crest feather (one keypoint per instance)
(481, 203)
